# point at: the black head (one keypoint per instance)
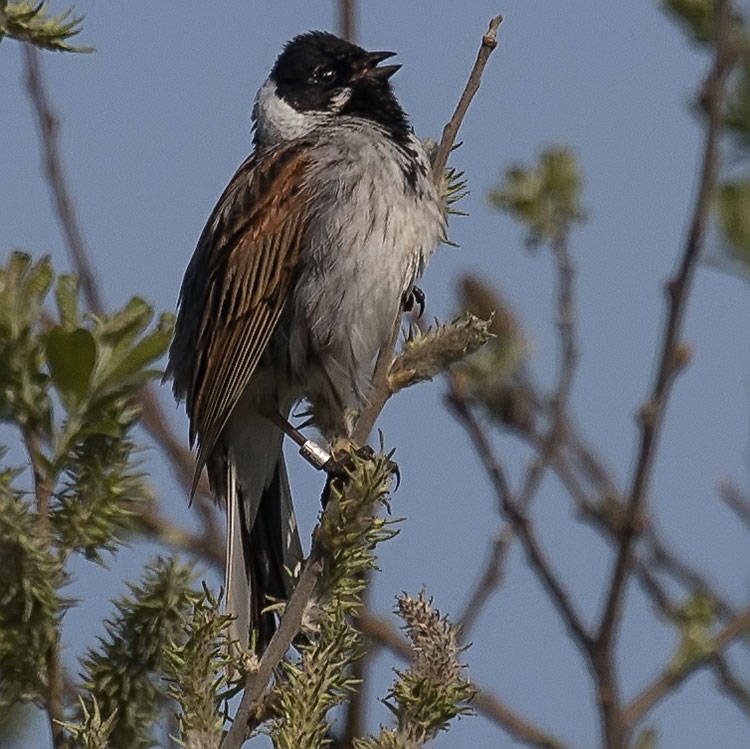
(319, 72)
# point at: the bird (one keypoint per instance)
(304, 266)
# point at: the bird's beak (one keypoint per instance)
(383, 73)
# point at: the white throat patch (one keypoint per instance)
(276, 121)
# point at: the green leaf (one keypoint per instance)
(697, 17)
(697, 641)
(23, 287)
(149, 348)
(66, 295)
(733, 207)
(38, 280)
(545, 197)
(647, 739)
(128, 322)
(71, 357)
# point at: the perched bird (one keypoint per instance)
(296, 283)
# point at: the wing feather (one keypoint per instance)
(236, 287)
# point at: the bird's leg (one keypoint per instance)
(318, 457)
(415, 296)
(337, 462)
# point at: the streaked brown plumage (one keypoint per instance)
(240, 275)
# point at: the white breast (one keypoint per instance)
(370, 240)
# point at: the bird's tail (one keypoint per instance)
(263, 550)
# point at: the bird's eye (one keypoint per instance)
(325, 74)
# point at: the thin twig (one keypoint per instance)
(731, 685)
(450, 131)
(49, 126)
(53, 698)
(568, 358)
(522, 526)
(208, 546)
(736, 501)
(566, 318)
(347, 24)
(486, 703)
(659, 555)
(488, 581)
(671, 678)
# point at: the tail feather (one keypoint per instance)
(236, 588)
(263, 550)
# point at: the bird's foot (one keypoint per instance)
(343, 457)
(413, 298)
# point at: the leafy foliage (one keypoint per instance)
(123, 675)
(196, 666)
(545, 198)
(30, 606)
(32, 23)
(433, 691)
(698, 18)
(67, 386)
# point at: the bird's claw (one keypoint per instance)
(342, 461)
(415, 297)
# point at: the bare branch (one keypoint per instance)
(488, 581)
(666, 683)
(347, 21)
(491, 576)
(659, 555)
(450, 131)
(289, 626)
(49, 126)
(736, 501)
(731, 685)
(521, 524)
(209, 546)
(673, 357)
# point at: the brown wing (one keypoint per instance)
(235, 289)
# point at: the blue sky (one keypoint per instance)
(153, 126)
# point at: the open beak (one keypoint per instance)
(383, 73)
